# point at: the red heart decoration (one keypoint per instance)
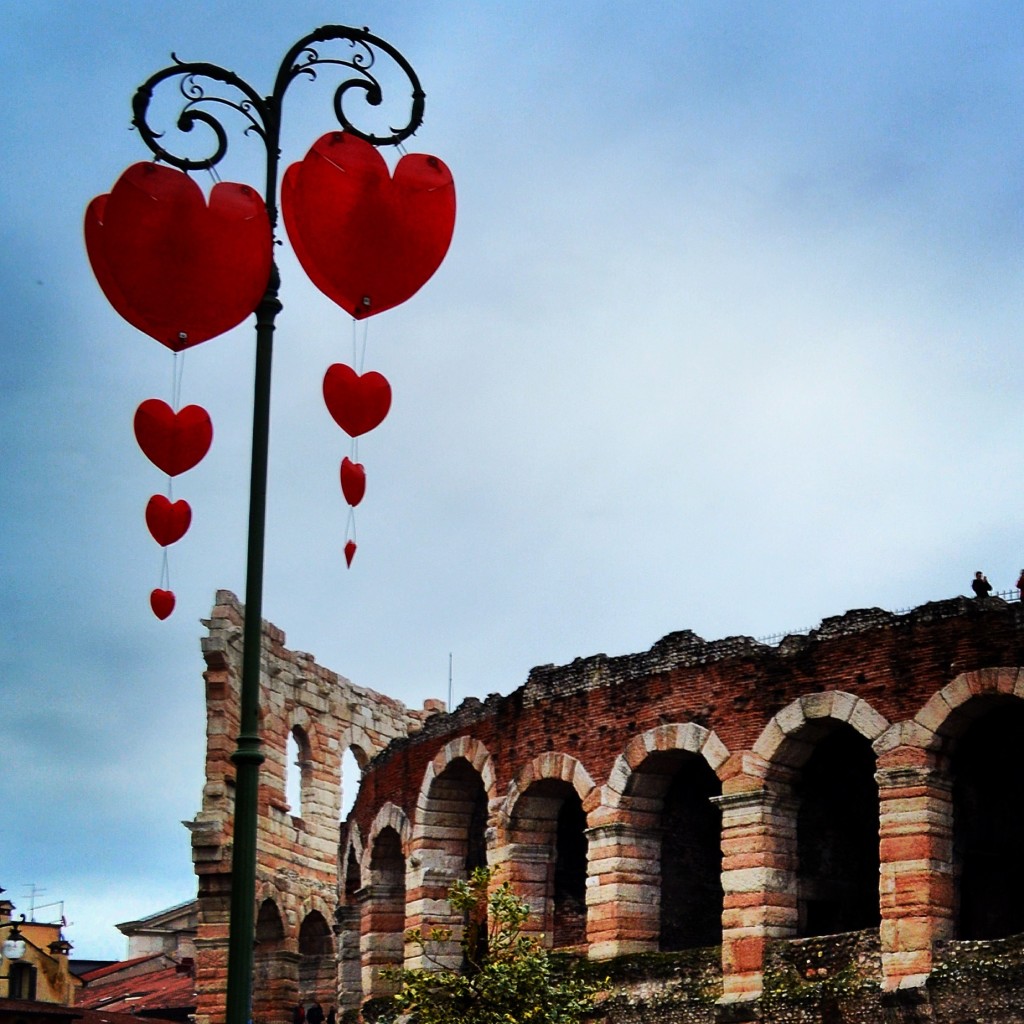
(353, 481)
(175, 267)
(350, 552)
(162, 603)
(357, 403)
(174, 442)
(167, 521)
(367, 240)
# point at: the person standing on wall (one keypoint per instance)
(980, 585)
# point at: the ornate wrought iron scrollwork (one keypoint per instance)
(264, 113)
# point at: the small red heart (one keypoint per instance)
(350, 552)
(162, 603)
(357, 403)
(167, 521)
(174, 442)
(353, 481)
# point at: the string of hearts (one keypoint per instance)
(183, 270)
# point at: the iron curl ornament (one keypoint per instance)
(208, 92)
(264, 113)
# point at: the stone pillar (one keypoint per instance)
(430, 874)
(623, 890)
(350, 971)
(212, 947)
(529, 867)
(759, 883)
(916, 854)
(382, 935)
(275, 989)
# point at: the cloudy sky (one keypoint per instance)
(728, 339)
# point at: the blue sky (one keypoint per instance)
(728, 339)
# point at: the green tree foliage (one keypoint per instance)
(507, 977)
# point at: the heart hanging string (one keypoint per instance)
(358, 403)
(175, 442)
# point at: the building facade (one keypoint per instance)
(858, 789)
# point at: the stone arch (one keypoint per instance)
(685, 736)
(389, 816)
(665, 835)
(971, 731)
(300, 759)
(545, 823)
(383, 899)
(821, 760)
(449, 839)
(355, 751)
(789, 736)
(550, 765)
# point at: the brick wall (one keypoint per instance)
(806, 776)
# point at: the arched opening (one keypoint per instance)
(297, 769)
(988, 821)
(316, 960)
(275, 984)
(548, 831)
(453, 844)
(352, 763)
(382, 941)
(691, 857)
(673, 839)
(837, 834)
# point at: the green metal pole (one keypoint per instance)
(264, 116)
(248, 757)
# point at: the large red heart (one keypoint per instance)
(175, 267)
(357, 403)
(366, 239)
(167, 521)
(162, 603)
(174, 442)
(353, 481)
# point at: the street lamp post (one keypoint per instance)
(263, 114)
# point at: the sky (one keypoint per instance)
(727, 339)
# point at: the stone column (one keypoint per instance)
(431, 872)
(529, 867)
(623, 890)
(382, 935)
(916, 854)
(275, 986)
(759, 883)
(350, 972)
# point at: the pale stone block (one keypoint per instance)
(867, 721)
(714, 751)
(769, 741)
(791, 718)
(817, 705)
(957, 692)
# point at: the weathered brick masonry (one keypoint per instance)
(754, 807)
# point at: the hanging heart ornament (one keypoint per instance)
(162, 603)
(357, 402)
(173, 442)
(367, 240)
(175, 266)
(168, 521)
(353, 481)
